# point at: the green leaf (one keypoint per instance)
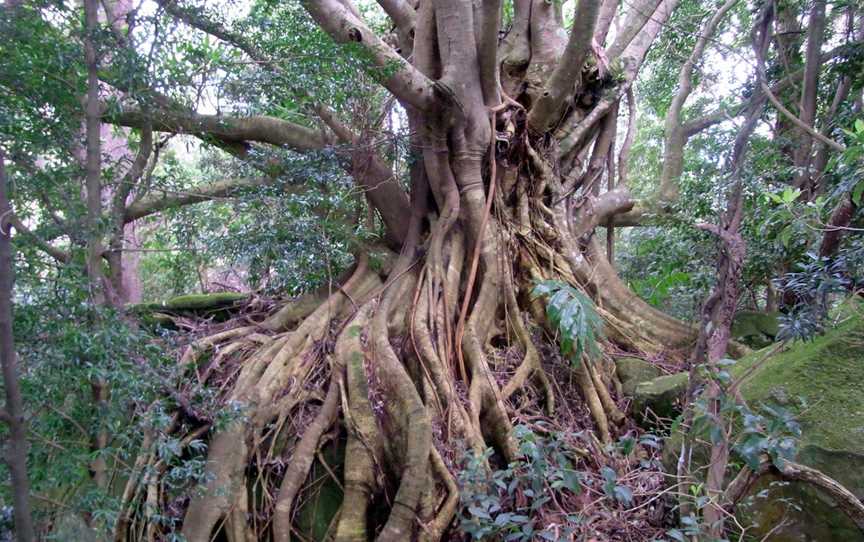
(789, 194)
(858, 192)
(623, 494)
(785, 236)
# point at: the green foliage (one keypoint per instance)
(815, 284)
(772, 430)
(613, 490)
(506, 503)
(66, 343)
(573, 315)
(851, 163)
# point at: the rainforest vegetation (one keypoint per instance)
(433, 270)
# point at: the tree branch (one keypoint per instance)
(724, 113)
(200, 21)
(604, 20)
(795, 120)
(561, 85)
(155, 203)
(638, 14)
(260, 128)
(675, 134)
(632, 58)
(399, 77)
(403, 15)
(599, 210)
(46, 247)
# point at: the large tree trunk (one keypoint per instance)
(404, 359)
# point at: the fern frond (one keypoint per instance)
(571, 313)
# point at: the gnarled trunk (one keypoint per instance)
(402, 361)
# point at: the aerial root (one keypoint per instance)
(302, 459)
(363, 451)
(436, 527)
(390, 411)
(592, 400)
(455, 417)
(405, 406)
(530, 365)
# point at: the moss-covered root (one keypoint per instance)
(363, 450)
(302, 459)
(413, 427)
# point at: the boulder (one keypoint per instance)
(659, 398)
(821, 382)
(633, 371)
(755, 329)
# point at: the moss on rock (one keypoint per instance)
(821, 382)
(826, 374)
(756, 329)
(634, 371)
(659, 398)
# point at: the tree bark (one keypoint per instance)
(93, 183)
(16, 448)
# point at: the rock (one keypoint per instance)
(659, 398)
(824, 377)
(820, 381)
(755, 329)
(633, 371)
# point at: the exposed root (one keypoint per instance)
(413, 366)
(609, 405)
(592, 399)
(437, 526)
(302, 458)
(363, 452)
(403, 404)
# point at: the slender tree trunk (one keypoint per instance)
(718, 313)
(16, 452)
(100, 289)
(93, 163)
(807, 107)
